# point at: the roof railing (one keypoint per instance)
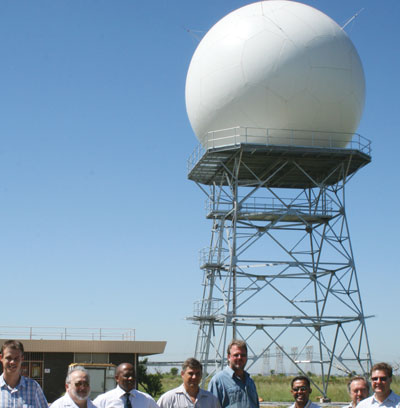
(67, 333)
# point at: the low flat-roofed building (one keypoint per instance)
(47, 360)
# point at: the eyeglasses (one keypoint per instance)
(297, 389)
(376, 379)
(81, 384)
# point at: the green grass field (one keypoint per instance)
(277, 387)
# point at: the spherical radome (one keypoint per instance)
(275, 69)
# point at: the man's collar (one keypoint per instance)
(121, 391)
(390, 397)
(233, 374)
(182, 389)
(308, 403)
(20, 383)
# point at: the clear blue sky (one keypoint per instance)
(99, 225)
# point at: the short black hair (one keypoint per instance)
(300, 378)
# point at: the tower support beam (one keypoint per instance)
(279, 272)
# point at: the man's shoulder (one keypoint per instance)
(176, 390)
(170, 395)
(394, 397)
(29, 382)
(109, 394)
(58, 403)
(225, 373)
(248, 376)
(141, 394)
(206, 394)
(365, 402)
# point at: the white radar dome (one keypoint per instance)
(276, 72)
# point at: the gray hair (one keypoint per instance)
(73, 369)
(357, 378)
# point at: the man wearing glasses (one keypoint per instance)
(77, 390)
(381, 378)
(301, 390)
(233, 386)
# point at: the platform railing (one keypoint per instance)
(272, 205)
(67, 333)
(278, 137)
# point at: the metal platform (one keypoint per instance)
(285, 166)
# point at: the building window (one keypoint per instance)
(32, 366)
(94, 358)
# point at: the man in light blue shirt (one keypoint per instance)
(15, 389)
(384, 397)
(233, 386)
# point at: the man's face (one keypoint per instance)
(78, 387)
(301, 391)
(237, 358)
(380, 382)
(358, 391)
(191, 378)
(11, 360)
(125, 377)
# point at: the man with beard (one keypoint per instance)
(301, 390)
(15, 389)
(125, 395)
(233, 386)
(77, 390)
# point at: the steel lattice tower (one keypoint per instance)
(279, 271)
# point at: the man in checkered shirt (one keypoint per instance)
(15, 389)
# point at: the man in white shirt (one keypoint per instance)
(381, 378)
(125, 395)
(358, 388)
(301, 390)
(77, 390)
(189, 394)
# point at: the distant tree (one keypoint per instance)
(151, 383)
(272, 372)
(174, 371)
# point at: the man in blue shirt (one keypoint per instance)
(15, 389)
(233, 386)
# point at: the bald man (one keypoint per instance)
(125, 395)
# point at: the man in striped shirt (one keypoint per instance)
(189, 394)
(15, 389)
